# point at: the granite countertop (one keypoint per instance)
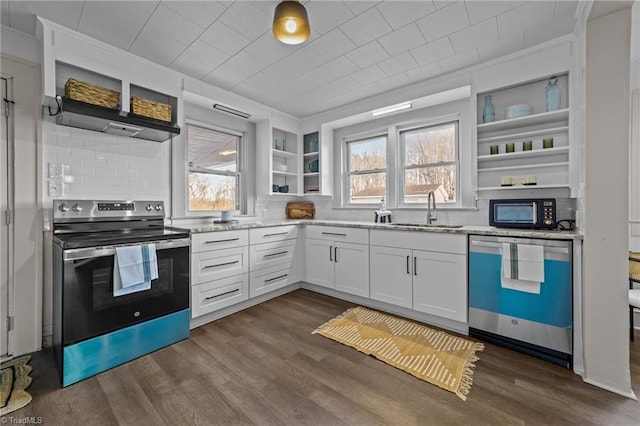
(451, 229)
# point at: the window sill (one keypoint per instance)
(373, 207)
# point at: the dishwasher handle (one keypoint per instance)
(498, 246)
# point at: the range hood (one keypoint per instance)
(92, 117)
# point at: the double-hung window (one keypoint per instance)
(429, 163)
(366, 168)
(213, 169)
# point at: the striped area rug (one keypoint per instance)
(430, 355)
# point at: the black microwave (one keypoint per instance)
(529, 213)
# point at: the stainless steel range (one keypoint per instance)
(98, 326)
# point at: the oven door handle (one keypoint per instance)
(93, 252)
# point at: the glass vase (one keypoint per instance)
(553, 94)
(488, 112)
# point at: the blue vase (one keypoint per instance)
(553, 94)
(488, 112)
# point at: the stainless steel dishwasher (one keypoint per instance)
(539, 324)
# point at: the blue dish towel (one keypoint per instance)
(134, 268)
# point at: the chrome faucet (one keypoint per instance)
(431, 214)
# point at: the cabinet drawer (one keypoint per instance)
(212, 265)
(272, 254)
(430, 241)
(270, 279)
(219, 240)
(274, 233)
(214, 295)
(338, 233)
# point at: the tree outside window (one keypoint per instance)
(367, 170)
(213, 182)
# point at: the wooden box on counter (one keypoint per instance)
(300, 210)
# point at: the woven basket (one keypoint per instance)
(91, 94)
(147, 108)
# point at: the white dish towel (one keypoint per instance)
(134, 268)
(522, 267)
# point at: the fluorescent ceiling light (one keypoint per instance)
(229, 110)
(392, 108)
(228, 152)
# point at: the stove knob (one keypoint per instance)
(149, 207)
(64, 207)
(158, 207)
(76, 208)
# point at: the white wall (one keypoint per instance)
(605, 267)
(634, 158)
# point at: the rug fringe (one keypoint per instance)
(334, 320)
(466, 381)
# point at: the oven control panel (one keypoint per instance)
(78, 210)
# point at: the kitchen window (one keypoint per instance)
(213, 169)
(429, 157)
(366, 176)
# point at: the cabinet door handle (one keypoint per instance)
(276, 278)
(408, 271)
(330, 254)
(415, 265)
(221, 294)
(221, 241)
(334, 233)
(335, 254)
(274, 234)
(221, 264)
(276, 254)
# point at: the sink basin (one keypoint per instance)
(424, 225)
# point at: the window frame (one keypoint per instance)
(347, 173)
(402, 167)
(239, 173)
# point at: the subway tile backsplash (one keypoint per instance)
(106, 167)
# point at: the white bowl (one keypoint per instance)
(280, 167)
(519, 110)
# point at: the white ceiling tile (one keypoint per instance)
(439, 4)
(224, 38)
(359, 6)
(398, 64)
(247, 63)
(182, 29)
(249, 19)
(502, 46)
(424, 72)
(333, 88)
(226, 76)
(462, 60)
(433, 52)
(190, 67)
(301, 61)
(205, 54)
(327, 15)
(368, 54)
(552, 28)
(105, 21)
(480, 10)
(402, 39)
(366, 27)
(262, 82)
(4, 13)
(517, 19)
(270, 50)
(566, 8)
(21, 14)
(157, 47)
(306, 82)
(203, 13)
(332, 44)
(444, 21)
(475, 35)
(369, 74)
(398, 14)
(383, 85)
(338, 67)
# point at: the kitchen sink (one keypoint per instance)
(424, 225)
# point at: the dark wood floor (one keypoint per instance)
(263, 366)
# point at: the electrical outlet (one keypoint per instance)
(56, 170)
(56, 188)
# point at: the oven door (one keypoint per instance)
(89, 307)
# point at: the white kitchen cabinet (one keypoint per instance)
(311, 164)
(274, 257)
(535, 169)
(338, 258)
(214, 295)
(422, 271)
(279, 159)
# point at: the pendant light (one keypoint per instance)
(290, 22)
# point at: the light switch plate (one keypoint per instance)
(56, 170)
(56, 188)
